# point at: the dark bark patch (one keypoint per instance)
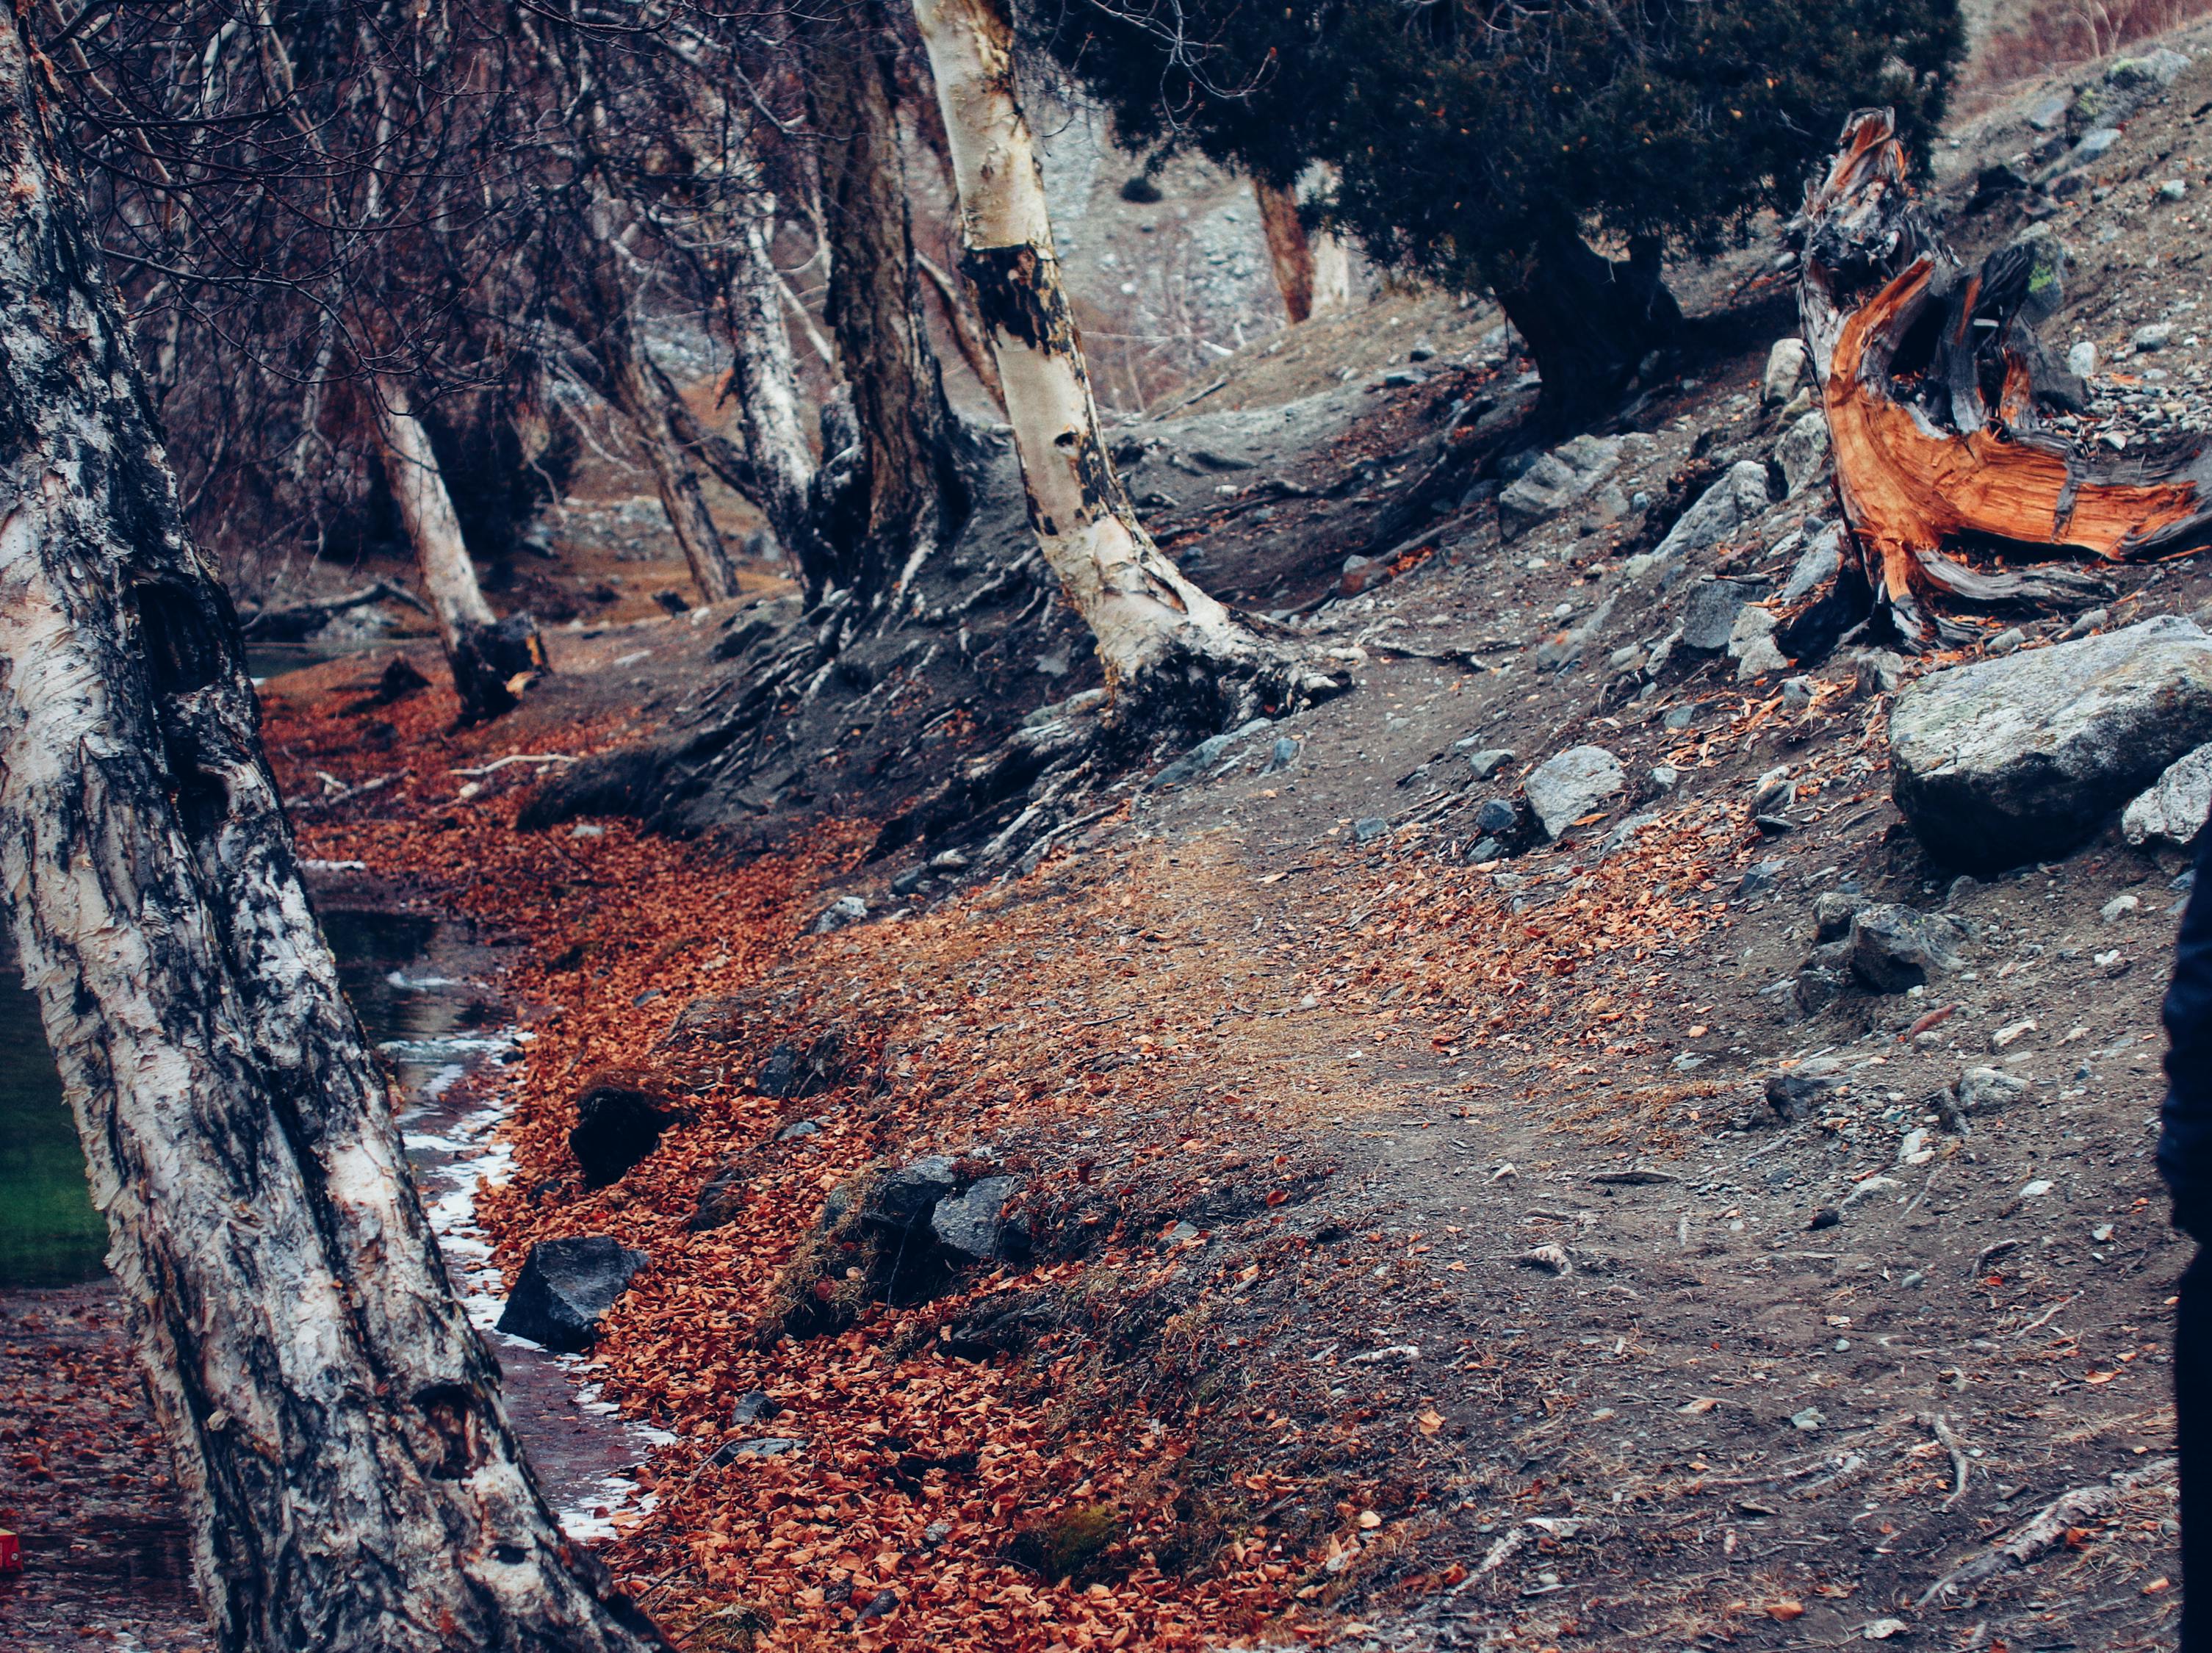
(1014, 295)
(184, 651)
(456, 1429)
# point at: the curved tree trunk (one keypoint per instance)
(1588, 322)
(488, 655)
(1168, 646)
(901, 496)
(334, 1420)
(1312, 272)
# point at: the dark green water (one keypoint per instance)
(49, 1235)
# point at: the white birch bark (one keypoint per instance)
(488, 657)
(334, 1421)
(1158, 634)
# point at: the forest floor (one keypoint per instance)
(1416, 1259)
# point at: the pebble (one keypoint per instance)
(1367, 830)
(2005, 641)
(2119, 907)
(2151, 335)
(2173, 188)
(1809, 1419)
(1680, 717)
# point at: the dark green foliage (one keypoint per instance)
(1475, 140)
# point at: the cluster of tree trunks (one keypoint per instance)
(334, 1420)
(1936, 389)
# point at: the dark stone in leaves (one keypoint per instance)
(904, 1199)
(565, 1286)
(790, 1072)
(974, 1224)
(617, 1125)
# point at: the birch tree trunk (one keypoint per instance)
(1312, 272)
(335, 1422)
(1173, 653)
(488, 655)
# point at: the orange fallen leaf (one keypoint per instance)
(1785, 1610)
(1431, 1422)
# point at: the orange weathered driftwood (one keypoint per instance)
(1923, 464)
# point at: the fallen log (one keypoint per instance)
(1934, 385)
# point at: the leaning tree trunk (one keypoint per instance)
(645, 395)
(490, 657)
(900, 496)
(334, 1421)
(1589, 321)
(1931, 378)
(1312, 272)
(1171, 651)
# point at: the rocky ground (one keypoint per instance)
(1542, 1151)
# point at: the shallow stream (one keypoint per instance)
(427, 992)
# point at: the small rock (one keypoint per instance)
(1487, 761)
(1796, 693)
(1809, 1419)
(936, 1532)
(1802, 452)
(2081, 358)
(974, 1225)
(1284, 754)
(2036, 1189)
(1775, 790)
(1893, 947)
(617, 1125)
(1369, 828)
(1785, 366)
(2151, 335)
(1882, 1630)
(1833, 912)
(1678, 718)
(1816, 565)
(1826, 1217)
(1562, 789)
(798, 1130)
(1665, 776)
(755, 1407)
(2178, 804)
(1792, 1093)
(564, 1288)
(1760, 880)
(846, 909)
(903, 1200)
(906, 882)
(2173, 188)
(1422, 351)
(1710, 612)
(2005, 641)
(2095, 143)
(764, 1446)
(1986, 1089)
(1497, 818)
(1726, 508)
(1879, 670)
(2049, 113)
(2119, 907)
(1552, 1259)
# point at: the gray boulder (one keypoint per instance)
(1793, 1093)
(564, 1288)
(1565, 788)
(2177, 804)
(1708, 612)
(1893, 947)
(1802, 452)
(2018, 758)
(1725, 509)
(846, 909)
(974, 1225)
(1815, 567)
(1556, 481)
(1833, 912)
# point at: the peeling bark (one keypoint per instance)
(491, 659)
(900, 496)
(1928, 377)
(335, 1422)
(1170, 651)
